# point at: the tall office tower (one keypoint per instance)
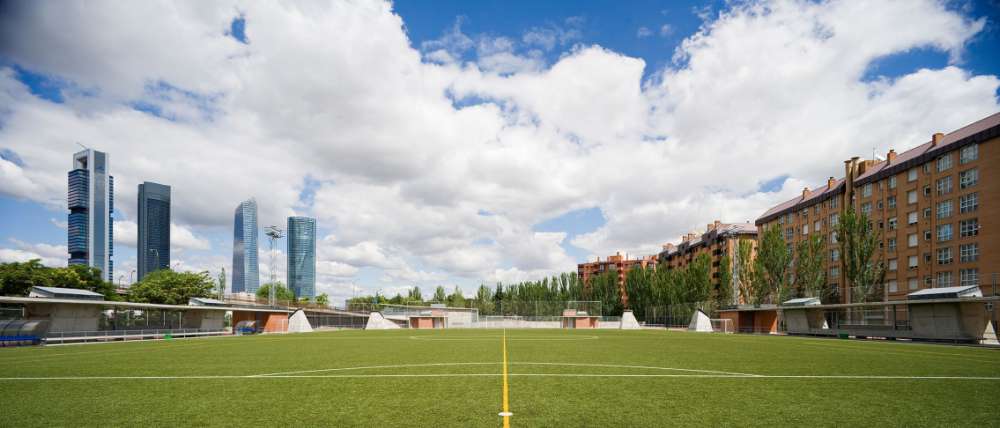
(91, 202)
(245, 275)
(153, 251)
(302, 256)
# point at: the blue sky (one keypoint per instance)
(482, 141)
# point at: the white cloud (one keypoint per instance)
(404, 176)
(643, 32)
(48, 254)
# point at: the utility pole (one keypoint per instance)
(274, 233)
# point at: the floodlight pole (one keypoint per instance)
(274, 233)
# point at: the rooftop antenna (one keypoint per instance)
(273, 233)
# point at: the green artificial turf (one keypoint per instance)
(452, 378)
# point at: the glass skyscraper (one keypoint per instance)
(245, 276)
(153, 251)
(302, 256)
(91, 202)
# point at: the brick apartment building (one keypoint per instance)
(936, 206)
(719, 240)
(618, 263)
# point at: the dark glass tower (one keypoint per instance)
(245, 275)
(302, 256)
(91, 202)
(153, 250)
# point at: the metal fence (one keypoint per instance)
(128, 335)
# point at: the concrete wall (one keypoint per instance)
(66, 317)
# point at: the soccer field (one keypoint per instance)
(455, 378)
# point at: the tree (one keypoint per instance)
(864, 269)
(281, 292)
(456, 299)
(771, 267)
(698, 279)
(743, 266)
(414, 295)
(222, 283)
(172, 288)
(724, 293)
(810, 266)
(440, 295)
(323, 300)
(16, 279)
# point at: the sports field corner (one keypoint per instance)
(469, 377)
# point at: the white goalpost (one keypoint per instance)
(722, 325)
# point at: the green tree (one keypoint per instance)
(282, 293)
(771, 267)
(810, 266)
(456, 299)
(172, 288)
(743, 266)
(415, 296)
(864, 268)
(222, 283)
(323, 300)
(440, 295)
(698, 279)
(724, 292)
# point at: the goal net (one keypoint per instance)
(722, 325)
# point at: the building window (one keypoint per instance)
(891, 202)
(944, 232)
(968, 277)
(834, 272)
(834, 255)
(834, 203)
(911, 197)
(912, 284)
(927, 213)
(789, 234)
(805, 229)
(833, 237)
(911, 175)
(927, 190)
(967, 228)
(834, 220)
(866, 208)
(893, 264)
(892, 182)
(911, 262)
(893, 288)
(944, 256)
(969, 153)
(892, 223)
(944, 185)
(968, 178)
(891, 244)
(944, 279)
(944, 162)
(866, 191)
(944, 209)
(927, 235)
(911, 240)
(968, 253)
(816, 209)
(968, 203)
(817, 225)
(911, 218)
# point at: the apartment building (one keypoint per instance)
(936, 207)
(719, 240)
(617, 263)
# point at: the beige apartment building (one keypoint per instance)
(936, 207)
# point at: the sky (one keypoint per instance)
(456, 143)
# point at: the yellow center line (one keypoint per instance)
(506, 388)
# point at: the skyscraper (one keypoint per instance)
(302, 256)
(153, 250)
(91, 202)
(245, 276)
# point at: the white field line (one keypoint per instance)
(485, 338)
(567, 375)
(393, 366)
(617, 366)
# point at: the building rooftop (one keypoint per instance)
(64, 293)
(946, 293)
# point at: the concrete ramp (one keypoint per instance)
(298, 323)
(377, 322)
(629, 322)
(700, 322)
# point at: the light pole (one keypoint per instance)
(274, 233)
(130, 273)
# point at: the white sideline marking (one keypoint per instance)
(580, 375)
(617, 366)
(484, 338)
(392, 366)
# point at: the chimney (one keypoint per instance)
(936, 138)
(830, 182)
(805, 193)
(717, 223)
(891, 156)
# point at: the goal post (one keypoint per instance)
(722, 325)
